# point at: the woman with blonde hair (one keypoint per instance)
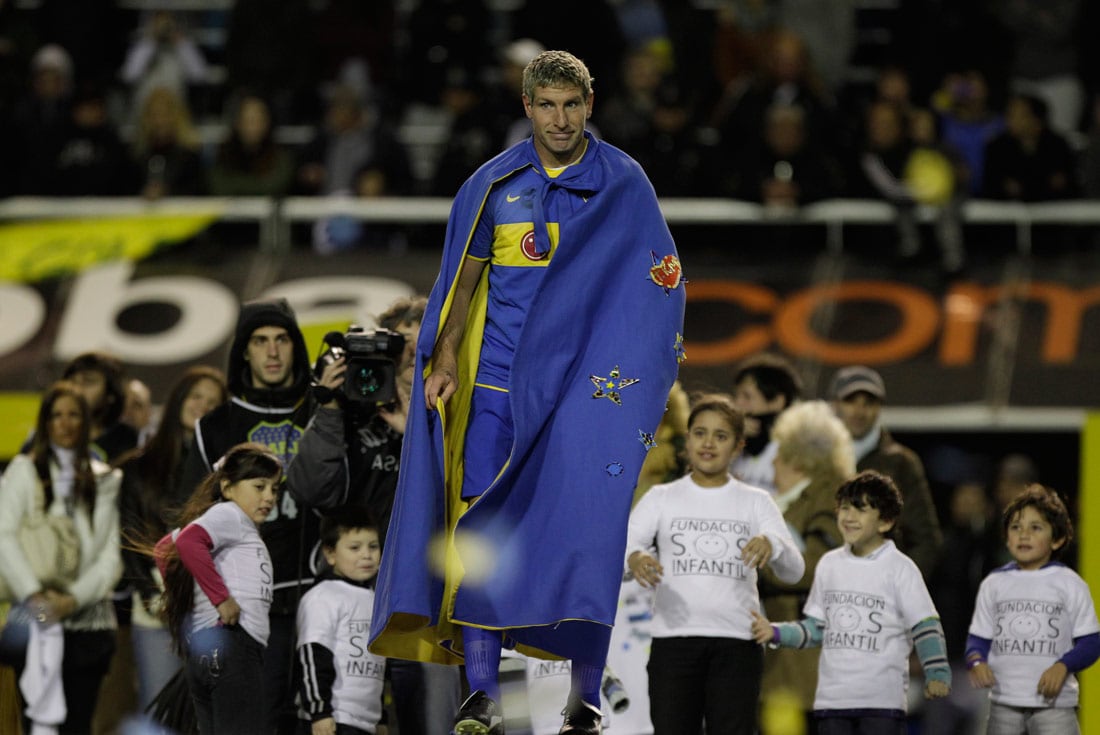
(813, 459)
(166, 147)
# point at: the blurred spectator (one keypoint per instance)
(99, 377)
(646, 117)
(786, 78)
(971, 548)
(879, 169)
(351, 137)
(892, 84)
(137, 411)
(503, 97)
(741, 29)
(470, 139)
(150, 480)
(1045, 55)
(353, 33)
(764, 385)
(890, 166)
(967, 121)
(813, 458)
(1029, 162)
(787, 172)
(857, 393)
(1090, 157)
(93, 32)
(273, 54)
(164, 55)
(829, 29)
(442, 35)
(1014, 473)
(41, 119)
(166, 147)
(250, 162)
(92, 160)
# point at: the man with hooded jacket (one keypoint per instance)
(269, 380)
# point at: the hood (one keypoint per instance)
(267, 313)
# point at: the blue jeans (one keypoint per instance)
(861, 726)
(1007, 720)
(155, 660)
(694, 678)
(225, 671)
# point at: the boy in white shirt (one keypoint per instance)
(1034, 624)
(340, 691)
(868, 607)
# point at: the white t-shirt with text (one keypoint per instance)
(241, 558)
(337, 615)
(869, 604)
(697, 533)
(1032, 617)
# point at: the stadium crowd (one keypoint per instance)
(774, 101)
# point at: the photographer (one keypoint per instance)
(350, 453)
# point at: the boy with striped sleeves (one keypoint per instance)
(340, 690)
(868, 608)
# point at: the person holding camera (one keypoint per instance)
(270, 403)
(349, 454)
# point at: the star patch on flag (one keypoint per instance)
(611, 386)
(681, 353)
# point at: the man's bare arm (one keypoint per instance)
(442, 381)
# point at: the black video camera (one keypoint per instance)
(372, 358)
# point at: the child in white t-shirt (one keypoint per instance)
(217, 575)
(698, 542)
(1034, 624)
(340, 691)
(868, 607)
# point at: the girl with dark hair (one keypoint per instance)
(223, 628)
(58, 476)
(700, 543)
(150, 478)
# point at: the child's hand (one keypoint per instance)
(326, 726)
(757, 552)
(1050, 683)
(762, 631)
(229, 612)
(981, 676)
(936, 689)
(645, 569)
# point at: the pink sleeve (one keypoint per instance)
(194, 544)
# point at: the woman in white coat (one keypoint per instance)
(76, 616)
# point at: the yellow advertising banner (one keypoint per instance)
(1088, 555)
(33, 251)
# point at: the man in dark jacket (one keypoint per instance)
(269, 379)
(351, 457)
(858, 393)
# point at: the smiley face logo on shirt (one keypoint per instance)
(1024, 626)
(711, 546)
(846, 618)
